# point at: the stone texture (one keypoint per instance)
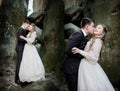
(53, 36)
(11, 16)
(0, 2)
(72, 3)
(108, 12)
(48, 84)
(69, 29)
(39, 5)
(51, 33)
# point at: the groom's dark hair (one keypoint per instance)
(26, 21)
(85, 21)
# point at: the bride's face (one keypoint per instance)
(30, 28)
(98, 30)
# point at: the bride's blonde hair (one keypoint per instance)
(33, 26)
(104, 31)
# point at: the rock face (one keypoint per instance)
(43, 85)
(108, 12)
(53, 36)
(55, 20)
(11, 16)
(0, 2)
(13, 13)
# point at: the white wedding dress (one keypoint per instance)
(91, 76)
(31, 68)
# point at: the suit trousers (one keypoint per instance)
(72, 80)
(19, 57)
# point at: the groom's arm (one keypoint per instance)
(20, 33)
(74, 41)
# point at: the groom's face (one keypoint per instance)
(91, 28)
(27, 25)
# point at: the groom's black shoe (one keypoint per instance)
(18, 82)
(24, 84)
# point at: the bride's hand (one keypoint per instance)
(22, 37)
(75, 50)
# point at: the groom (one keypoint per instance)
(72, 61)
(23, 30)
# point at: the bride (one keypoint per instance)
(91, 76)
(31, 68)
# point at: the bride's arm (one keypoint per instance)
(93, 53)
(30, 39)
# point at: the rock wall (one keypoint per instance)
(53, 36)
(0, 2)
(108, 12)
(12, 14)
(55, 21)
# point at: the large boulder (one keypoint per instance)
(12, 14)
(53, 36)
(43, 85)
(69, 28)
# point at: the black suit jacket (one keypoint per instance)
(21, 42)
(72, 61)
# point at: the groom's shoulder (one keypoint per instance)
(20, 28)
(76, 34)
(79, 32)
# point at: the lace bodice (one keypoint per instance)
(92, 53)
(31, 37)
